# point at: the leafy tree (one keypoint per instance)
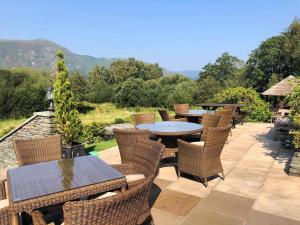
(22, 92)
(121, 70)
(79, 86)
(173, 79)
(66, 114)
(182, 93)
(278, 55)
(207, 88)
(100, 73)
(224, 68)
(255, 108)
(132, 93)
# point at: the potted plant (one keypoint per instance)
(67, 119)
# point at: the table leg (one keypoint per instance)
(15, 219)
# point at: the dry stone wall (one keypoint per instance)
(41, 124)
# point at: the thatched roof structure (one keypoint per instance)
(282, 88)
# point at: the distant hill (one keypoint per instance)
(40, 54)
(192, 74)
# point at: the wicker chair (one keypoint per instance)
(127, 140)
(203, 160)
(5, 215)
(120, 209)
(208, 121)
(181, 108)
(143, 118)
(235, 116)
(38, 150)
(227, 117)
(165, 116)
(146, 159)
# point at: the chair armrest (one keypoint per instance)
(188, 153)
(37, 218)
(124, 168)
(2, 190)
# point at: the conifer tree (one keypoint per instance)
(66, 114)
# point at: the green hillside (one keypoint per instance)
(40, 54)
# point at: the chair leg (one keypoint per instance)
(223, 175)
(205, 182)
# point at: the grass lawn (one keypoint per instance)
(95, 148)
(107, 113)
(9, 124)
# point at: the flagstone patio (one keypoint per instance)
(256, 191)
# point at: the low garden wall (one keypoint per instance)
(41, 124)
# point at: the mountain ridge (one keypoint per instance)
(40, 54)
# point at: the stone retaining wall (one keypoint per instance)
(41, 124)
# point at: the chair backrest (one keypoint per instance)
(181, 108)
(207, 121)
(146, 157)
(143, 118)
(164, 114)
(120, 209)
(5, 216)
(215, 140)
(38, 150)
(227, 117)
(231, 107)
(127, 140)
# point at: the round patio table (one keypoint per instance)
(169, 132)
(194, 115)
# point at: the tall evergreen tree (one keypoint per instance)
(66, 113)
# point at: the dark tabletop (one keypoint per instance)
(195, 113)
(171, 128)
(41, 179)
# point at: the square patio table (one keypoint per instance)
(49, 183)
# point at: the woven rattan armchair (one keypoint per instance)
(38, 150)
(165, 116)
(235, 116)
(146, 159)
(121, 209)
(143, 118)
(181, 108)
(127, 140)
(5, 215)
(227, 117)
(208, 121)
(203, 160)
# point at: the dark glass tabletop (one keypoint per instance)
(46, 178)
(195, 113)
(171, 128)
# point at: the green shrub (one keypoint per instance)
(119, 121)
(255, 108)
(293, 100)
(94, 133)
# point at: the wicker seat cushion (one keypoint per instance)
(3, 203)
(200, 143)
(134, 177)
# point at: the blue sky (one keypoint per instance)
(178, 34)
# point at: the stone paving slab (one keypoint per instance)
(256, 191)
